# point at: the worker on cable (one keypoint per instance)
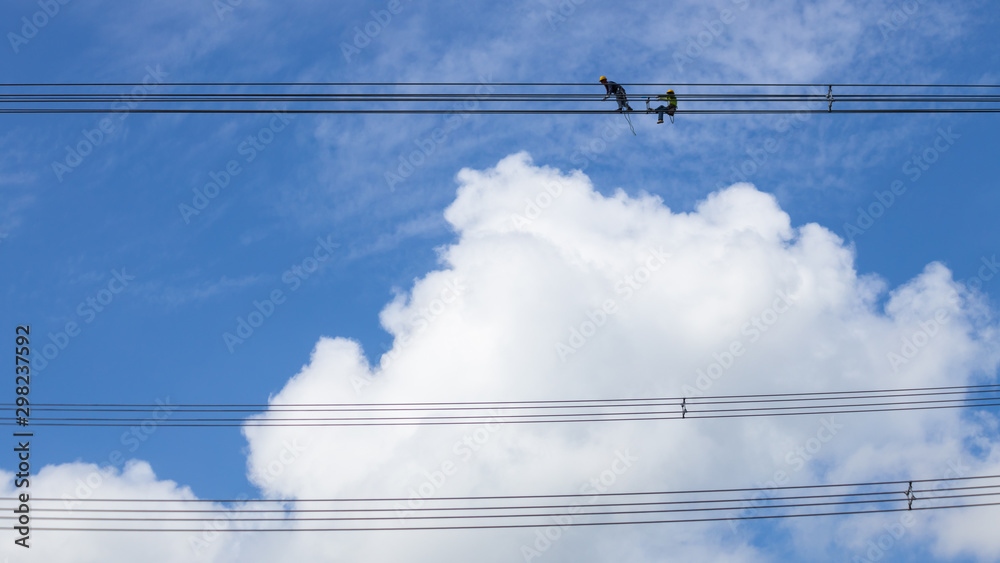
(669, 109)
(619, 93)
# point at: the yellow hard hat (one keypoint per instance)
(603, 78)
(670, 91)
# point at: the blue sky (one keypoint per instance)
(67, 236)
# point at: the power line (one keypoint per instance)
(498, 419)
(521, 515)
(487, 516)
(590, 84)
(503, 97)
(538, 496)
(282, 509)
(987, 387)
(369, 98)
(515, 412)
(546, 524)
(783, 111)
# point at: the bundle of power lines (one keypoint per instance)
(522, 511)
(519, 511)
(489, 98)
(516, 412)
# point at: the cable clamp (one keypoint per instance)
(684, 409)
(910, 496)
(829, 98)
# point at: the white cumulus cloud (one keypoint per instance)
(555, 291)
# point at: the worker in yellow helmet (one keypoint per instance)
(669, 109)
(619, 93)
